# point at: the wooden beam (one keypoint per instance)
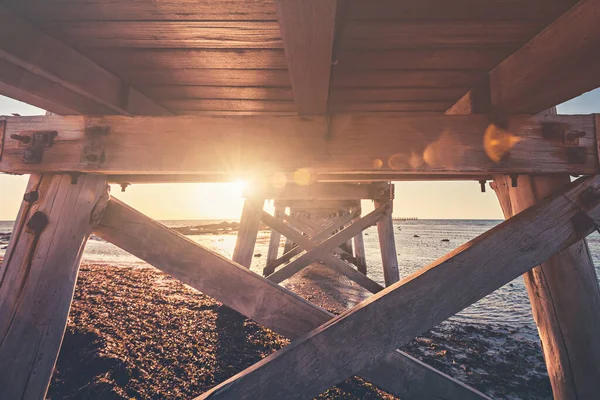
(308, 30)
(564, 296)
(257, 298)
(387, 245)
(39, 63)
(247, 232)
(316, 251)
(318, 191)
(243, 146)
(560, 63)
(38, 275)
(322, 250)
(419, 302)
(274, 243)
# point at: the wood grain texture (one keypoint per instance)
(395, 94)
(308, 28)
(367, 106)
(220, 92)
(257, 78)
(387, 246)
(247, 145)
(125, 59)
(181, 106)
(396, 315)
(422, 58)
(252, 295)
(145, 10)
(414, 34)
(170, 34)
(38, 277)
(25, 46)
(565, 54)
(247, 233)
(564, 296)
(406, 78)
(466, 10)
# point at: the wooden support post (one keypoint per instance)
(359, 337)
(564, 296)
(274, 243)
(38, 277)
(359, 253)
(247, 233)
(257, 298)
(387, 244)
(289, 244)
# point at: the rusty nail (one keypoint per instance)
(31, 197)
(37, 222)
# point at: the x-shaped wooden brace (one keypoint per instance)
(323, 251)
(391, 318)
(260, 299)
(324, 234)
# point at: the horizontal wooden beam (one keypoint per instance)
(257, 298)
(303, 146)
(558, 64)
(343, 191)
(393, 317)
(37, 66)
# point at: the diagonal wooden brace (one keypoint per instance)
(260, 299)
(322, 251)
(324, 234)
(360, 337)
(322, 254)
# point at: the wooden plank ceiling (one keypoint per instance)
(227, 56)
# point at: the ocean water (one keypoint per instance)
(418, 243)
(492, 344)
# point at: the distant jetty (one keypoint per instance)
(406, 219)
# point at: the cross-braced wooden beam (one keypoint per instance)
(322, 251)
(316, 251)
(260, 299)
(361, 336)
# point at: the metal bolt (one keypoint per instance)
(31, 197)
(124, 186)
(37, 222)
(21, 138)
(74, 178)
(514, 180)
(482, 184)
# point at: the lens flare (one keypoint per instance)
(497, 142)
(302, 177)
(444, 152)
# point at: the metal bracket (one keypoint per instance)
(93, 152)
(34, 144)
(561, 131)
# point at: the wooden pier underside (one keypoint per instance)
(295, 94)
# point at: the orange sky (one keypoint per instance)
(436, 200)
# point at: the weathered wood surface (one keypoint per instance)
(230, 104)
(308, 29)
(220, 92)
(189, 77)
(50, 62)
(257, 298)
(274, 243)
(387, 245)
(323, 249)
(361, 336)
(359, 253)
(316, 251)
(413, 144)
(247, 233)
(259, 10)
(564, 296)
(38, 276)
(319, 191)
(565, 53)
